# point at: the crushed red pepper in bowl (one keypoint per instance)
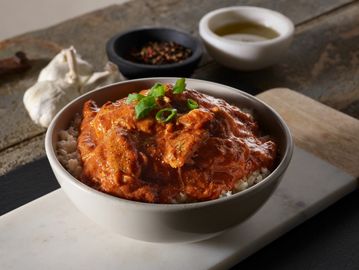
(154, 52)
(159, 53)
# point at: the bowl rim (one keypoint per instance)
(205, 30)
(196, 54)
(66, 176)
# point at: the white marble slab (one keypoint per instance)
(50, 233)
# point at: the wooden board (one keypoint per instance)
(327, 133)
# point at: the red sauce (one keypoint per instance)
(202, 153)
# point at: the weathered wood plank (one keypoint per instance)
(16, 125)
(89, 33)
(322, 63)
(22, 154)
(312, 131)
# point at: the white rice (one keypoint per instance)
(66, 150)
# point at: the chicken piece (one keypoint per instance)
(109, 151)
(181, 144)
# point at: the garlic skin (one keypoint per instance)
(66, 77)
(98, 79)
(44, 99)
(59, 66)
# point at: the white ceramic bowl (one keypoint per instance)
(170, 222)
(243, 55)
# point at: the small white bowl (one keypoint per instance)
(244, 55)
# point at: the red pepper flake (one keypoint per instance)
(159, 53)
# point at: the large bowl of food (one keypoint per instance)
(166, 159)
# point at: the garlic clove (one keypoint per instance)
(44, 99)
(110, 75)
(59, 67)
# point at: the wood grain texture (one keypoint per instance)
(322, 63)
(22, 153)
(317, 128)
(89, 33)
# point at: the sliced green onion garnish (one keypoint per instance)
(148, 103)
(158, 90)
(133, 97)
(192, 104)
(145, 106)
(180, 86)
(165, 115)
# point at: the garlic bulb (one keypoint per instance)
(63, 79)
(60, 66)
(98, 79)
(46, 98)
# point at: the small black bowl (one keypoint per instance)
(121, 44)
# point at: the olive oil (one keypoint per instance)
(246, 31)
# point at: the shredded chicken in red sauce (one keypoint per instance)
(200, 154)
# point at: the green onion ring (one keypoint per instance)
(161, 115)
(192, 104)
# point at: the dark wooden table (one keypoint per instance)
(323, 63)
